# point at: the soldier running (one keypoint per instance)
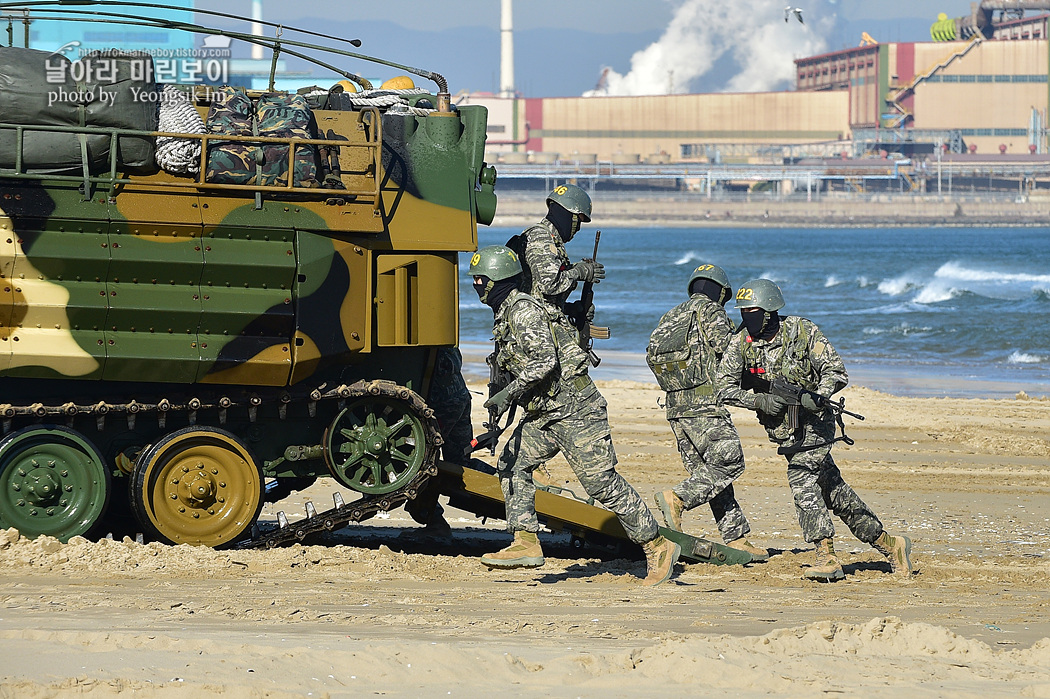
(564, 412)
(683, 353)
(547, 273)
(794, 348)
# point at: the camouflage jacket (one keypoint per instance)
(800, 353)
(537, 346)
(715, 332)
(548, 272)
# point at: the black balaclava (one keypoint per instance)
(494, 293)
(566, 222)
(712, 290)
(761, 326)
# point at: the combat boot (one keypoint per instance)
(671, 506)
(826, 567)
(742, 544)
(524, 552)
(897, 550)
(660, 556)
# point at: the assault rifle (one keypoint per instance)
(498, 380)
(793, 395)
(588, 331)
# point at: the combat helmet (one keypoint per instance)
(760, 293)
(573, 199)
(497, 262)
(715, 274)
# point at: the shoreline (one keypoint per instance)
(684, 211)
(631, 367)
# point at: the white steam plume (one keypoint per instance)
(752, 33)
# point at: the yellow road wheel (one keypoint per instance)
(197, 485)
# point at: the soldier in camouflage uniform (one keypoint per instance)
(548, 275)
(794, 348)
(683, 353)
(536, 345)
(450, 400)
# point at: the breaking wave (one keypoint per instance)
(953, 279)
(1018, 357)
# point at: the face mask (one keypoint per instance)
(761, 325)
(711, 289)
(566, 222)
(482, 286)
(494, 293)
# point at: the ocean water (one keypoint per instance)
(912, 311)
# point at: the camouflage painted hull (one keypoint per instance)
(223, 322)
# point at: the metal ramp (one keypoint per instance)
(561, 510)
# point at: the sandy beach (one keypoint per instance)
(378, 610)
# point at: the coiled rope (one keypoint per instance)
(179, 156)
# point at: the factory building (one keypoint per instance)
(981, 91)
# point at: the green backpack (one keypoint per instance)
(678, 354)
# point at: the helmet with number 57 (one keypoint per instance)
(760, 293)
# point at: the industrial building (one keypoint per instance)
(980, 92)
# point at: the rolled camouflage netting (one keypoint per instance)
(179, 156)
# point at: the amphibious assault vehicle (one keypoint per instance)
(262, 312)
(213, 296)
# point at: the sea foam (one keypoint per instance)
(1018, 357)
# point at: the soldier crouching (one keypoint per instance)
(794, 349)
(564, 412)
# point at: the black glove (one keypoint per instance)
(501, 402)
(809, 403)
(770, 404)
(577, 314)
(589, 271)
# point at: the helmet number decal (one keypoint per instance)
(744, 295)
(475, 260)
(561, 190)
(704, 268)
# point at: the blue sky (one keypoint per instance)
(603, 16)
(562, 47)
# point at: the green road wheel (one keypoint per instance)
(53, 482)
(197, 485)
(376, 445)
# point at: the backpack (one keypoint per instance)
(678, 354)
(517, 244)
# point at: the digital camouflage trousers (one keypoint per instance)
(710, 449)
(583, 438)
(819, 490)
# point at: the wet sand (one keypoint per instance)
(378, 609)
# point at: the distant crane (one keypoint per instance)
(867, 40)
(797, 11)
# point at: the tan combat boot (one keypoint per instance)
(524, 552)
(826, 567)
(660, 556)
(671, 506)
(897, 550)
(742, 544)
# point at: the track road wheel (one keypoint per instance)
(197, 485)
(376, 445)
(53, 482)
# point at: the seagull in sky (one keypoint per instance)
(797, 11)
